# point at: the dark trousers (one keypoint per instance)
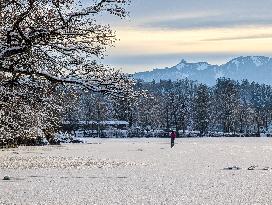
(172, 142)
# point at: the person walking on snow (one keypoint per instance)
(173, 137)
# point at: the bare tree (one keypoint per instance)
(47, 43)
(60, 40)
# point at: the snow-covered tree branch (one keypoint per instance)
(46, 46)
(60, 41)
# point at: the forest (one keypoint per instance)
(228, 108)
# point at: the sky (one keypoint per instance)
(160, 33)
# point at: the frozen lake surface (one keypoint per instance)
(139, 171)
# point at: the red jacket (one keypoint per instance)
(173, 135)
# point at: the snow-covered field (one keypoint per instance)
(139, 171)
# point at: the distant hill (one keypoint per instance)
(253, 68)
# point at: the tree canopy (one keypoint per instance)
(60, 41)
(46, 45)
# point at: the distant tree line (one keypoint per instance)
(185, 105)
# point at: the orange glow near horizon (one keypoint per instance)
(141, 41)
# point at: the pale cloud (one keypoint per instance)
(260, 36)
(175, 41)
(158, 20)
(144, 49)
(159, 31)
(216, 21)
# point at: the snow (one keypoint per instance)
(139, 171)
(219, 74)
(114, 122)
(184, 75)
(181, 65)
(257, 61)
(205, 73)
(236, 62)
(202, 66)
(110, 122)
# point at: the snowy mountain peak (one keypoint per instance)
(183, 61)
(193, 66)
(235, 62)
(253, 68)
(181, 64)
(202, 65)
(259, 60)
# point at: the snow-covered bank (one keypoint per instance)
(139, 171)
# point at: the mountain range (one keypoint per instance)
(252, 68)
